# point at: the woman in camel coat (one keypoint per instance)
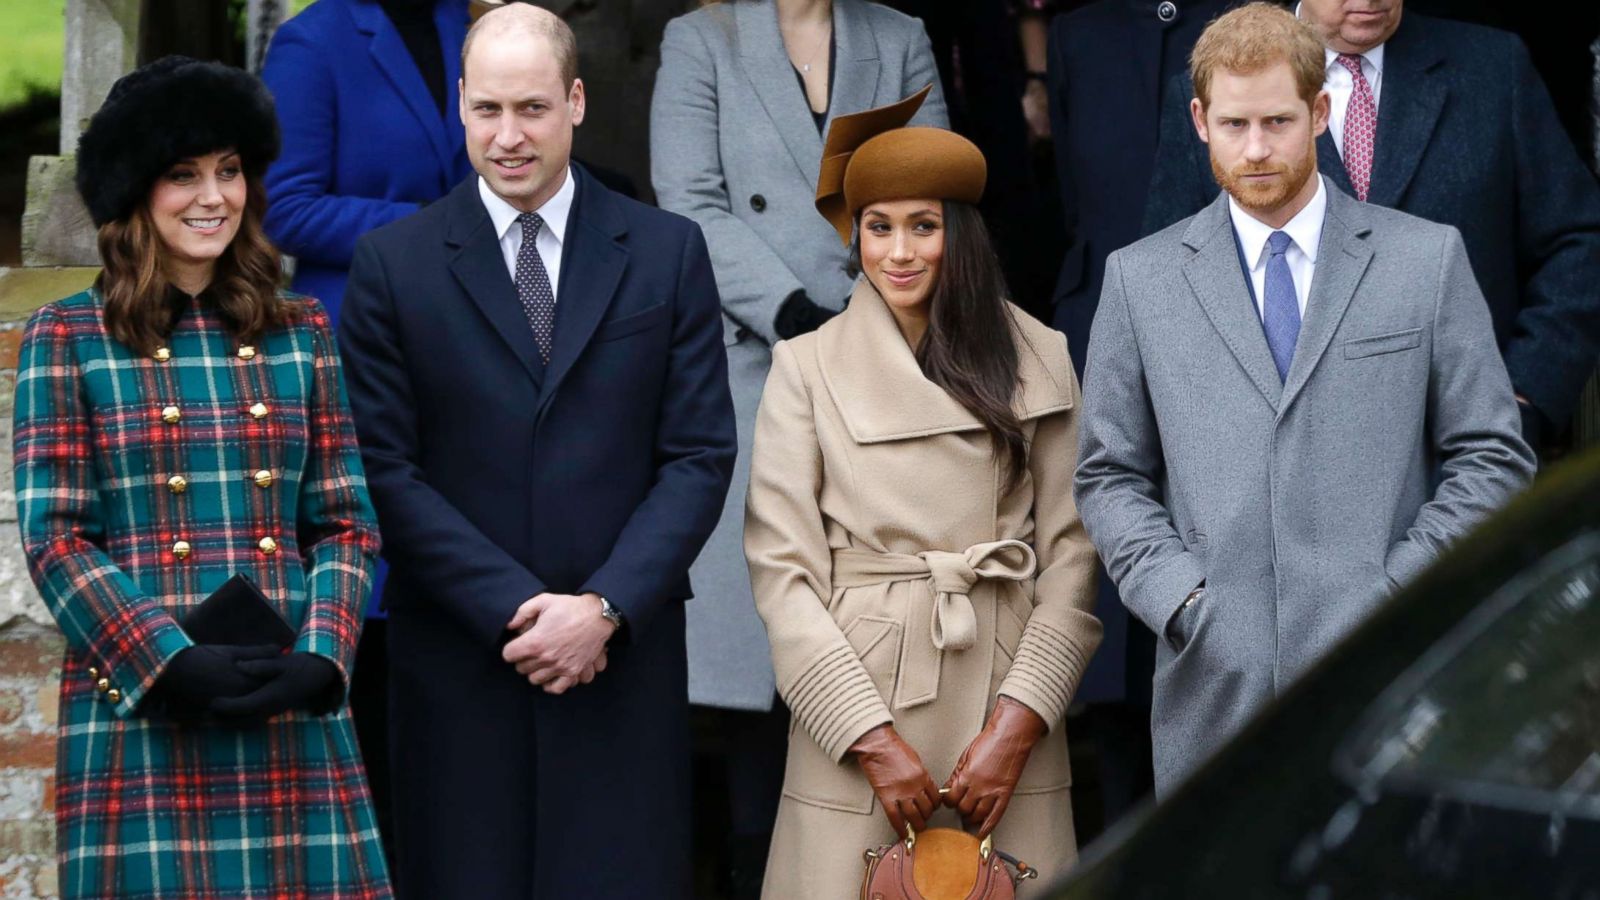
(915, 554)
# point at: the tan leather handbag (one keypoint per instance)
(942, 864)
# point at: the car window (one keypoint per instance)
(1505, 709)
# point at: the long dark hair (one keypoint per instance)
(138, 299)
(969, 349)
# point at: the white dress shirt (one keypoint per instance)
(555, 212)
(1339, 84)
(1305, 234)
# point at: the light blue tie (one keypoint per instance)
(1280, 316)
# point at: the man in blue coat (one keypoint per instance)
(541, 393)
(1450, 122)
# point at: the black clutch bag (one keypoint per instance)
(238, 613)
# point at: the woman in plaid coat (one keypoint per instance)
(179, 423)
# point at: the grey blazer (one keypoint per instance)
(733, 147)
(1300, 505)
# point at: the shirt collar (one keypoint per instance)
(1374, 58)
(554, 211)
(1305, 229)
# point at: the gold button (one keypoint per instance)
(259, 410)
(263, 478)
(247, 352)
(114, 695)
(171, 414)
(180, 549)
(103, 685)
(177, 484)
(94, 672)
(163, 354)
(268, 546)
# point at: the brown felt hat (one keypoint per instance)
(871, 156)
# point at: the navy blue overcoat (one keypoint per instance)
(497, 477)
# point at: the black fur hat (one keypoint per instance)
(162, 112)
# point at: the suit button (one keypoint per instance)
(268, 546)
(163, 354)
(259, 411)
(758, 203)
(103, 685)
(114, 696)
(247, 352)
(181, 549)
(263, 478)
(177, 484)
(171, 415)
(1167, 11)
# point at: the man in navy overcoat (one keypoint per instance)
(541, 393)
(1466, 135)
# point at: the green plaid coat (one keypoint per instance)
(143, 483)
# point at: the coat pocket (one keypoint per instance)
(1360, 348)
(809, 775)
(622, 326)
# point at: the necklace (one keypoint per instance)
(805, 67)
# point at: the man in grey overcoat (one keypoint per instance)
(1293, 402)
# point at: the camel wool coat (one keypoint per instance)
(902, 580)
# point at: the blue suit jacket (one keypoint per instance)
(363, 142)
(1467, 136)
(496, 478)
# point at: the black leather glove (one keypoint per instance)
(302, 681)
(798, 315)
(206, 672)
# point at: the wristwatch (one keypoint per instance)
(610, 611)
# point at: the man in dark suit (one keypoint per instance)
(1109, 63)
(1450, 122)
(541, 394)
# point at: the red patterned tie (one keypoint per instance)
(1360, 127)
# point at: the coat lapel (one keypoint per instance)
(766, 63)
(480, 269)
(855, 75)
(389, 53)
(1219, 284)
(1342, 258)
(1413, 97)
(882, 395)
(1331, 165)
(592, 262)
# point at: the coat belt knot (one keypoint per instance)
(950, 578)
(954, 625)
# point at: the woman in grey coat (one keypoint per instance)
(744, 95)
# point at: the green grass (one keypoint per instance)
(31, 47)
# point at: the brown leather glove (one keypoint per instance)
(904, 788)
(988, 771)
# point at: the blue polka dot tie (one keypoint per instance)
(1280, 314)
(533, 285)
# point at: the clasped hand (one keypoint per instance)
(979, 789)
(560, 642)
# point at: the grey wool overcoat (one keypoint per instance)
(1300, 504)
(904, 578)
(733, 147)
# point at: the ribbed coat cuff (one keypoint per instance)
(835, 700)
(1046, 671)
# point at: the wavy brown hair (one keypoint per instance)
(970, 347)
(139, 308)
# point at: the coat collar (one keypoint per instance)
(766, 62)
(1218, 282)
(592, 261)
(882, 395)
(389, 53)
(1413, 98)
